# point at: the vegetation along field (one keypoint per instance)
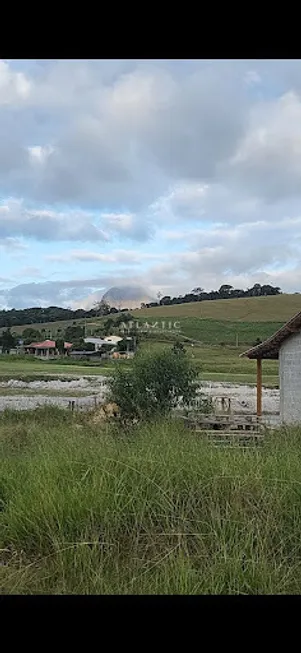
(214, 363)
(88, 509)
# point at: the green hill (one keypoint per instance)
(228, 321)
(278, 308)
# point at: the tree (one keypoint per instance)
(154, 384)
(80, 345)
(197, 290)
(102, 308)
(166, 300)
(225, 290)
(60, 345)
(255, 291)
(31, 335)
(107, 326)
(74, 333)
(7, 341)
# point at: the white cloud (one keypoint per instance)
(120, 256)
(252, 78)
(15, 87)
(38, 154)
(43, 224)
(267, 162)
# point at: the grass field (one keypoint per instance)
(214, 332)
(247, 309)
(31, 370)
(154, 511)
(215, 363)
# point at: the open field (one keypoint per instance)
(88, 510)
(278, 308)
(207, 331)
(215, 332)
(23, 369)
(215, 363)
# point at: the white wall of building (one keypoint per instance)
(290, 379)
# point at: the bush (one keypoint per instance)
(154, 384)
(178, 348)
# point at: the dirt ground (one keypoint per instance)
(242, 397)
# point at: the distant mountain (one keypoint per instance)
(127, 296)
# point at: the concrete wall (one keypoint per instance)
(290, 379)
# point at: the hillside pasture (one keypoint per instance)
(213, 332)
(274, 309)
(278, 308)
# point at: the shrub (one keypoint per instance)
(154, 384)
(178, 348)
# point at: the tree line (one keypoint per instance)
(18, 317)
(226, 291)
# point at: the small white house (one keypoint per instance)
(97, 342)
(284, 345)
(113, 339)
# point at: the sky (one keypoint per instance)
(167, 174)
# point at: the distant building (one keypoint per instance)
(113, 339)
(97, 342)
(45, 349)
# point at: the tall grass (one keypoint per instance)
(93, 510)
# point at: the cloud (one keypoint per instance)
(12, 244)
(252, 78)
(123, 160)
(46, 225)
(184, 200)
(68, 225)
(15, 87)
(60, 292)
(267, 162)
(120, 256)
(128, 225)
(121, 138)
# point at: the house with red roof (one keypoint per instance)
(45, 349)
